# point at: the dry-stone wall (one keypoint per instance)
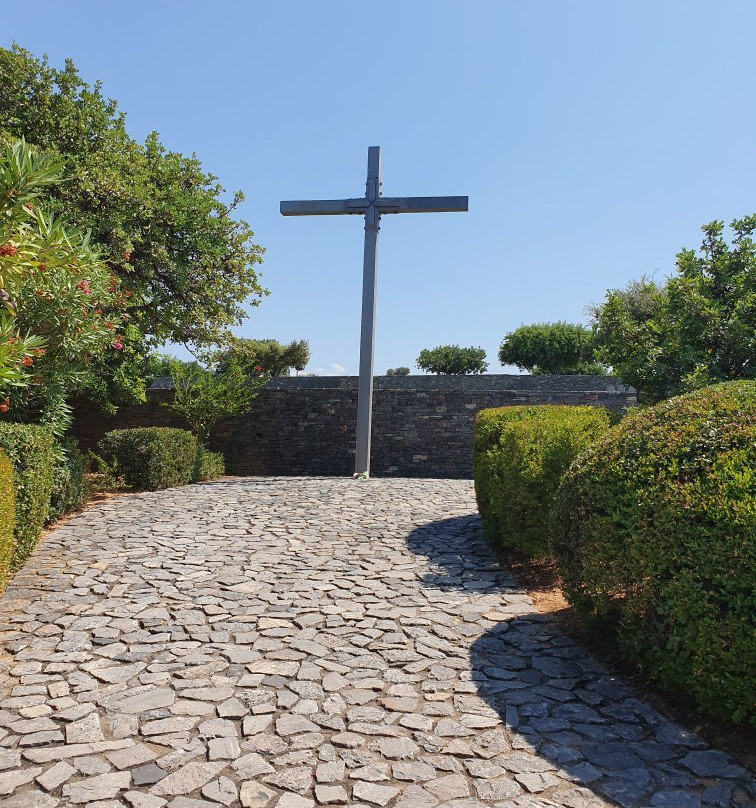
(422, 425)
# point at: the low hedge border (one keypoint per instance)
(7, 517)
(31, 450)
(656, 542)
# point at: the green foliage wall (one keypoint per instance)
(150, 458)
(519, 457)
(657, 542)
(7, 517)
(31, 451)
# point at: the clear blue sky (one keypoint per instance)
(593, 139)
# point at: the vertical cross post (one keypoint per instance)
(367, 333)
(372, 206)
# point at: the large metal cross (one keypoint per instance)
(372, 206)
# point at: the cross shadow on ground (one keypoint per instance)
(579, 735)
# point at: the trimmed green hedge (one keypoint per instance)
(209, 465)
(519, 457)
(7, 517)
(150, 458)
(32, 453)
(657, 542)
(70, 488)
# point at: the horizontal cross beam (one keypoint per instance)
(324, 207)
(383, 204)
(421, 204)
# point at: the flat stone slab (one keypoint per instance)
(287, 643)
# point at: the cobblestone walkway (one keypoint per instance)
(302, 642)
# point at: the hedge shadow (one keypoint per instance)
(585, 725)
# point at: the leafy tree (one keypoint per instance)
(696, 329)
(269, 355)
(123, 375)
(550, 348)
(204, 397)
(451, 359)
(400, 371)
(158, 218)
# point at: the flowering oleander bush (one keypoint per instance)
(79, 325)
(17, 353)
(63, 310)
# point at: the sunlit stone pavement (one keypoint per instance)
(299, 642)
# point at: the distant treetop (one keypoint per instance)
(453, 360)
(272, 356)
(551, 348)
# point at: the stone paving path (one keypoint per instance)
(301, 642)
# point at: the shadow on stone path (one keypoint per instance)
(287, 643)
(568, 717)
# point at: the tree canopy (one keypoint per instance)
(550, 348)
(696, 329)
(205, 396)
(452, 360)
(270, 355)
(161, 222)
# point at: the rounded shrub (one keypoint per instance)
(30, 449)
(150, 458)
(519, 457)
(7, 517)
(656, 541)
